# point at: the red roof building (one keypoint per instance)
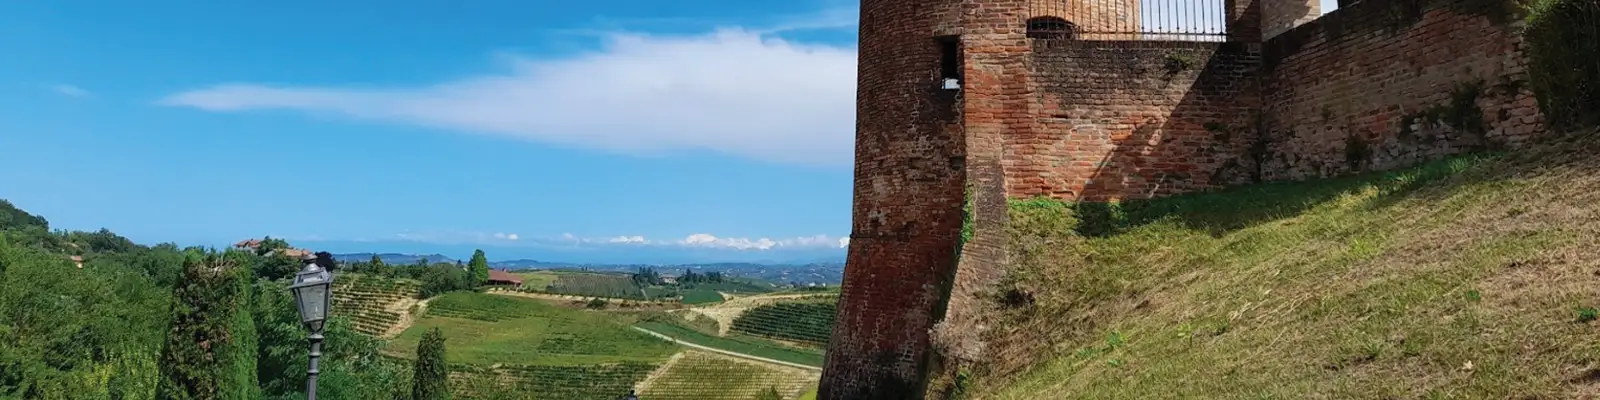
(503, 278)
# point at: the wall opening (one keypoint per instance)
(1051, 28)
(949, 62)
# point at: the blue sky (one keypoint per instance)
(539, 129)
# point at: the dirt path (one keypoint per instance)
(729, 353)
(648, 379)
(403, 307)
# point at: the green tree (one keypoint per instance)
(210, 352)
(480, 268)
(430, 379)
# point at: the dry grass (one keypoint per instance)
(1458, 279)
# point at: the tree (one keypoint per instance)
(480, 268)
(430, 378)
(210, 351)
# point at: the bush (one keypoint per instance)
(211, 350)
(431, 376)
(1564, 60)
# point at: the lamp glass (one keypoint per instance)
(312, 295)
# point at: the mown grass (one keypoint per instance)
(736, 343)
(487, 329)
(1464, 278)
(538, 279)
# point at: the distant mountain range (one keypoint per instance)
(822, 271)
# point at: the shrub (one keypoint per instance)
(1564, 60)
(430, 374)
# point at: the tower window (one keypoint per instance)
(1050, 28)
(950, 61)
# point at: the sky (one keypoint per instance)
(603, 131)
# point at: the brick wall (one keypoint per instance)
(1280, 16)
(1369, 87)
(906, 217)
(1133, 119)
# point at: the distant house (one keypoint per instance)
(669, 279)
(503, 278)
(251, 244)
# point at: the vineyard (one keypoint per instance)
(375, 305)
(700, 375)
(601, 285)
(806, 322)
(485, 329)
(701, 296)
(512, 381)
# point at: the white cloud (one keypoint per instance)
(738, 91)
(69, 90)
(506, 236)
(628, 239)
(844, 243)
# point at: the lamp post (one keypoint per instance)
(313, 293)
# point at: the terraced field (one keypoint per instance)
(376, 305)
(809, 322)
(698, 375)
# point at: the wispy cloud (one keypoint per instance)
(735, 90)
(69, 90)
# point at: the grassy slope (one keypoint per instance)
(1459, 279)
(536, 333)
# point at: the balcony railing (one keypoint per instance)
(1183, 20)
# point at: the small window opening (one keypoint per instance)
(1050, 28)
(950, 62)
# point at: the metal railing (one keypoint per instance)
(1184, 20)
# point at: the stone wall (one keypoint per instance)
(1382, 84)
(1134, 119)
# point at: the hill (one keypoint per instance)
(394, 258)
(1473, 277)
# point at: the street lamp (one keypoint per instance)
(313, 293)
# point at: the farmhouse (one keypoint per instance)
(503, 278)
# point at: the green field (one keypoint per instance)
(809, 322)
(737, 343)
(703, 376)
(486, 329)
(701, 296)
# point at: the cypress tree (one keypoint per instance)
(210, 351)
(431, 379)
(480, 268)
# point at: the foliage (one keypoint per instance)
(443, 278)
(1563, 39)
(770, 394)
(67, 333)
(210, 352)
(480, 269)
(431, 379)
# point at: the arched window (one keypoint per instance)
(1050, 28)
